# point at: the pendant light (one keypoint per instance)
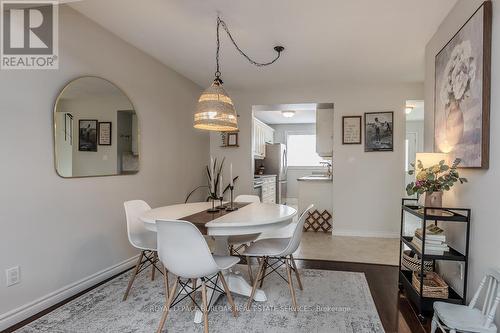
(215, 110)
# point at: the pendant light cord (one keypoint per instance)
(220, 23)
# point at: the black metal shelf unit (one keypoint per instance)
(432, 215)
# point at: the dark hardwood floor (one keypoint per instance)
(395, 311)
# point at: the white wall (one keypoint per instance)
(481, 193)
(373, 181)
(62, 230)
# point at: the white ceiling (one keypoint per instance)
(276, 117)
(326, 41)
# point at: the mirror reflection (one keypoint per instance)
(95, 130)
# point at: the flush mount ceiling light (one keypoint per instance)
(409, 109)
(288, 114)
(215, 110)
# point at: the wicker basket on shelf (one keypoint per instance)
(434, 285)
(411, 262)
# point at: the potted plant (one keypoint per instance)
(431, 182)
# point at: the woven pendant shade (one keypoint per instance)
(215, 110)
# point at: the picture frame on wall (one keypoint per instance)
(105, 133)
(351, 130)
(87, 135)
(462, 92)
(232, 139)
(379, 131)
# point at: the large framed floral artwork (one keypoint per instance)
(462, 92)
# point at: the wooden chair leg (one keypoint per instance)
(193, 303)
(228, 293)
(296, 272)
(205, 305)
(290, 285)
(165, 281)
(264, 273)
(167, 305)
(153, 268)
(132, 278)
(255, 282)
(250, 274)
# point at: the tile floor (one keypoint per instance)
(322, 246)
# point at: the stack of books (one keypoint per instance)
(435, 240)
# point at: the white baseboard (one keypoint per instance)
(27, 310)
(367, 233)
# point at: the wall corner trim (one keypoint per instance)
(29, 309)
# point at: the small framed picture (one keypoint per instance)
(105, 133)
(351, 130)
(232, 139)
(87, 135)
(379, 131)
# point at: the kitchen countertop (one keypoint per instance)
(316, 178)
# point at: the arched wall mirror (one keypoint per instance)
(96, 130)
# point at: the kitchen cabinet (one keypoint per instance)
(269, 190)
(324, 132)
(262, 134)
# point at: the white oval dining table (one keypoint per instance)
(253, 218)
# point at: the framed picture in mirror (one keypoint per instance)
(87, 135)
(105, 129)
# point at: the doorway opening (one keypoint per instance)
(414, 139)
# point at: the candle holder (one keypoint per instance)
(213, 209)
(231, 203)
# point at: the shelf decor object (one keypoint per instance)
(429, 218)
(411, 262)
(434, 285)
(215, 110)
(462, 91)
(433, 176)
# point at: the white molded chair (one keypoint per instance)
(142, 239)
(281, 250)
(463, 318)
(184, 251)
(236, 243)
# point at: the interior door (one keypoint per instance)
(410, 152)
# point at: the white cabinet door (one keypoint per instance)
(324, 132)
(262, 134)
(269, 134)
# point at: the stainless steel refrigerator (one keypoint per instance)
(276, 164)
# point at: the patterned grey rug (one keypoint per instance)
(332, 301)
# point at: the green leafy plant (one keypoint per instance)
(437, 178)
(212, 171)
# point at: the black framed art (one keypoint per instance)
(379, 131)
(87, 135)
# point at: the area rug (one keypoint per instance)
(331, 301)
